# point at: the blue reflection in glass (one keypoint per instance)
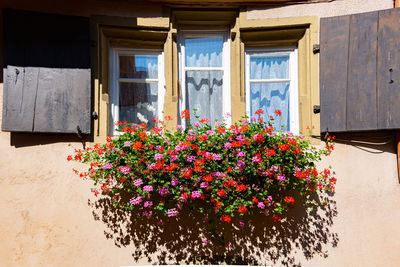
(204, 52)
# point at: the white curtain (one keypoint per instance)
(267, 94)
(204, 87)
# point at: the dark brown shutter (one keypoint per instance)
(47, 73)
(359, 72)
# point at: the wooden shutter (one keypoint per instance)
(47, 73)
(359, 72)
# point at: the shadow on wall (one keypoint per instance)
(187, 240)
(35, 139)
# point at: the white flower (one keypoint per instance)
(142, 118)
(149, 107)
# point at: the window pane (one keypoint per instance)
(204, 93)
(204, 52)
(269, 67)
(270, 97)
(138, 102)
(138, 66)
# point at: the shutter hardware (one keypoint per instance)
(316, 49)
(94, 115)
(316, 109)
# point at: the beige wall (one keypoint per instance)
(46, 218)
(335, 8)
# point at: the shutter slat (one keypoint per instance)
(19, 98)
(62, 101)
(361, 90)
(333, 74)
(389, 59)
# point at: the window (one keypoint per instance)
(136, 86)
(271, 84)
(204, 74)
(212, 61)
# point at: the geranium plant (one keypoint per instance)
(213, 168)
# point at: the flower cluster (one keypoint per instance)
(236, 170)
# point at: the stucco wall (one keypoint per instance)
(50, 218)
(330, 9)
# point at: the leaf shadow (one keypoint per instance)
(186, 239)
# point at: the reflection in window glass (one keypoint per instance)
(270, 97)
(138, 66)
(204, 52)
(138, 102)
(269, 67)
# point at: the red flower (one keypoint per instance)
(242, 209)
(221, 130)
(205, 120)
(203, 137)
(271, 152)
(207, 178)
(289, 200)
(255, 200)
(283, 147)
(278, 112)
(221, 193)
(276, 218)
(259, 111)
(137, 145)
(185, 114)
(226, 218)
(69, 158)
(241, 188)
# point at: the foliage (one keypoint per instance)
(229, 171)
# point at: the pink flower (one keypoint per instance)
(210, 132)
(125, 169)
(174, 181)
(147, 204)
(158, 156)
(148, 188)
(196, 194)
(135, 201)
(227, 145)
(191, 159)
(216, 156)
(261, 205)
(242, 154)
(172, 212)
(138, 182)
(147, 213)
(127, 143)
(174, 157)
(204, 185)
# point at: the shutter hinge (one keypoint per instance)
(316, 109)
(316, 49)
(94, 115)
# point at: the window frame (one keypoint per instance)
(226, 67)
(115, 80)
(293, 81)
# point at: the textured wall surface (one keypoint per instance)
(50, 218)
(330, 9)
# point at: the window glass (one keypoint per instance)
(270, 97)
(203, 75)
(138, 102)
(271, 84)
(269, 67)
(136, 87)
(204, 52)
(138, 66)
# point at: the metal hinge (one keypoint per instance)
(316, 49)
(316, 109)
